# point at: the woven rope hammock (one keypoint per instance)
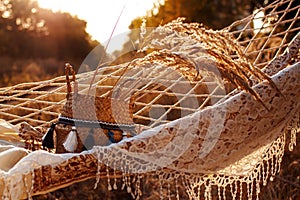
(201, 120)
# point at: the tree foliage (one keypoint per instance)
(31, 32)
(214, 14)
(28, 32)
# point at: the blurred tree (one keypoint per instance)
(30, 32)
(215, 14)
(18, 15)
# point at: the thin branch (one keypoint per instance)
(287, 181)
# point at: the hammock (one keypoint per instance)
(190, 130)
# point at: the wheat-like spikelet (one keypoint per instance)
(194, 40)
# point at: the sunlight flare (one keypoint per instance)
(101, 17)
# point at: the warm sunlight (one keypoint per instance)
(101, 16)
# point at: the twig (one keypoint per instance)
(99, 64)
(287, 181)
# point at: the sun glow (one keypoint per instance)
(101, 16)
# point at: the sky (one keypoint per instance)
(102, 15)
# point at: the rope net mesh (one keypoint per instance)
(163, 94)
(39, 103)
(277, 23)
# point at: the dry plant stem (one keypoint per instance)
(275, 65)
(287, 181)
(226, 52)
(102, 58)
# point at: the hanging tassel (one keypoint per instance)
(47, 140)
(111, 136)
(115, 136)
(71, 142)
(89, 141)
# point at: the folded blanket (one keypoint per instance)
(10, 155)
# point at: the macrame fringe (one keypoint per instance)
(293, 128)
(204, 186)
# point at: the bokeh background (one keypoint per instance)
(38, 37)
